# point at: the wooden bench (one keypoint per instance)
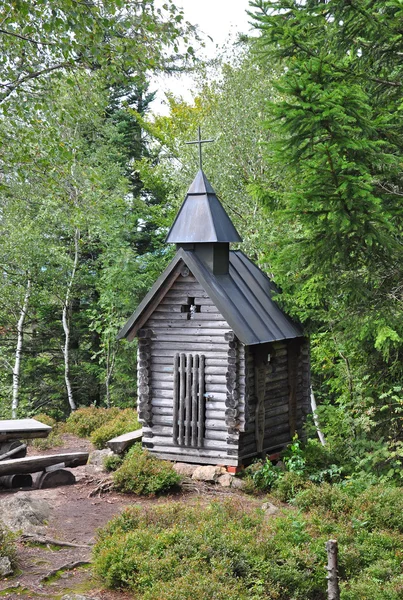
(120, 443)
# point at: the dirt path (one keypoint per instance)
(75, 517)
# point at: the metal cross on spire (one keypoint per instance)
(200, 142)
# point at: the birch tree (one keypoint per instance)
(18, 351)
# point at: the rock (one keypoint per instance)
(237, 483)
(77, 597)
(225, 480)
(185, 469)
(5, 567)
(269, 508)
(97, 457)
(23, 512)
(207, 473)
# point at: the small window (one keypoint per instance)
(190, 307)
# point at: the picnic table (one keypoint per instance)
(16, 468)
(27, 429)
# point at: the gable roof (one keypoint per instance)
(243, 297)
(202, 218)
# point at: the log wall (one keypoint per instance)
(286, 399)
(202, 331)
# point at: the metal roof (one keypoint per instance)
(243, 297)
(202, 217)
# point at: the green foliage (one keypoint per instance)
(84, 421)
(231, 551)
(337, 224)
(67, 37)
(123, 422)
(143, 474)
(300, 464)
(113, 462)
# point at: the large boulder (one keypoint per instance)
(23, 512)
(97, 458)
(77, 597)
(5, 567)
(184, 469)
(209, 473)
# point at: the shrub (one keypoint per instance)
(143, 474)
(381, 507)
(324, 497)
(222, 551)
(84, 421)
(123, 422)
(286, 487)
(230, 550)
(113, 462)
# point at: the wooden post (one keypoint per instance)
(189, 362)
(176, 399)
(194, 398)
(182, 385)
(200, 431)
(333, 590)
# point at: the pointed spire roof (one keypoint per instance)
(202, 217)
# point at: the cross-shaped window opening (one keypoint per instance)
(190, 307)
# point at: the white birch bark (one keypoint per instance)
(110, 364)
(316, 420)
(18, 351)
(66, 326)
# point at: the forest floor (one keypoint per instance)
(75, 517)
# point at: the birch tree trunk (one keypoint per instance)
(110, 363)
(18, 351)
(65, 321)
(316, 420)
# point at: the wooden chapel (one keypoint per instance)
(223, 373)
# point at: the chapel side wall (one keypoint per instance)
(286, 398)
(169, 331)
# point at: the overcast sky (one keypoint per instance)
(218, 19)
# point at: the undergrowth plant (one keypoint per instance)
(102, 424)
(84, 421)
(123, 422)
(143, 474)
(230, 551)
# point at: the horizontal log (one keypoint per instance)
(161, 394)
(13, 482)
(189, 341)
(188, 346)
(163, 406)
(165, 364)
(184, 451)
(55, 479)
(188, 330)
(179, 318)
(34, 464)
(198, 458)
(120, 443)
(158, 377)
(275, 411)
(170, 353)
(220, 445)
